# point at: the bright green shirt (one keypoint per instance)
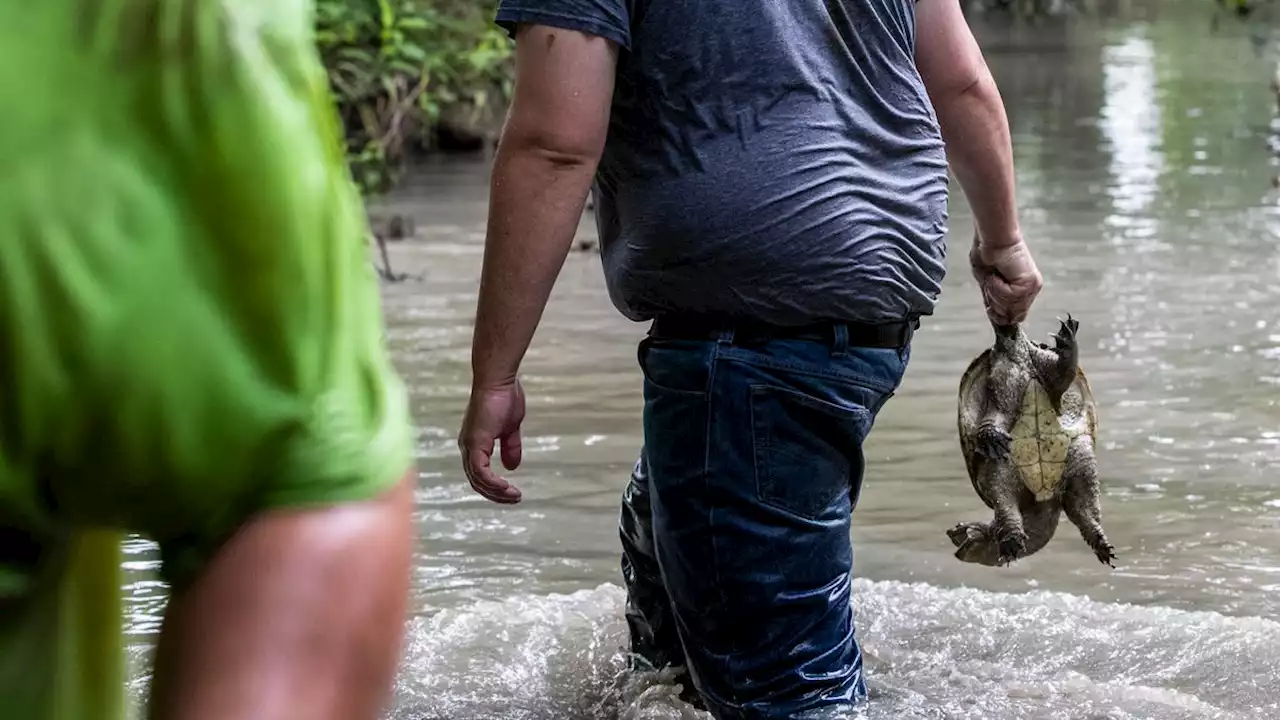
(190, 328)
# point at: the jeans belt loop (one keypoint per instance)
(840, 339)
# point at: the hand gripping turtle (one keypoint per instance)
(1028, 424)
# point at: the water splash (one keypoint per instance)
(931, 652)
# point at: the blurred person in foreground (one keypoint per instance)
(771, 186)
(191, 349)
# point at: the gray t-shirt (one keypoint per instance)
(777, 160)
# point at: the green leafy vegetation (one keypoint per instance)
(401, 68)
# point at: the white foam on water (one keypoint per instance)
(931, 652)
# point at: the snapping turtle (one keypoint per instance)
(1028, 424)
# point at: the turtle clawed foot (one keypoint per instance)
(1065, 338)
(992, 442)
(1106, 553)
(1013, 545)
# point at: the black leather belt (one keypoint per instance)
(746, 332)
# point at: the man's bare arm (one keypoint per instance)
(972, 116)
(550, 146)
(979, 150)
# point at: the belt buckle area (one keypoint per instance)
(892, 335)
(684, 328)
(746, 333)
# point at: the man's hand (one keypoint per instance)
(493, 416)
(976, 132)
(550, 147)
(1008, 278)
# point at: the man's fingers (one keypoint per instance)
(1003, 294)
(511, 451)
(485, 481)
(1011, 312)
(1001, 302)
(1010, 284)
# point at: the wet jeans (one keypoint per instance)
(736, 523)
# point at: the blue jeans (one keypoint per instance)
(736, 523)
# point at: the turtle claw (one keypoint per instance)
(1065, 338)
(992, 442)
(1106, 553)
(1012, 546)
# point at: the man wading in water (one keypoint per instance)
(771, 194)
(191, 348)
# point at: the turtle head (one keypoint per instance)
(974, 544)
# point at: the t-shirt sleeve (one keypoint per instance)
(609, 19)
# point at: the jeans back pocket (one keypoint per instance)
(808, 451)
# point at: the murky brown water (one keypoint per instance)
(1145, 180)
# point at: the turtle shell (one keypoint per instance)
(1040, 435)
